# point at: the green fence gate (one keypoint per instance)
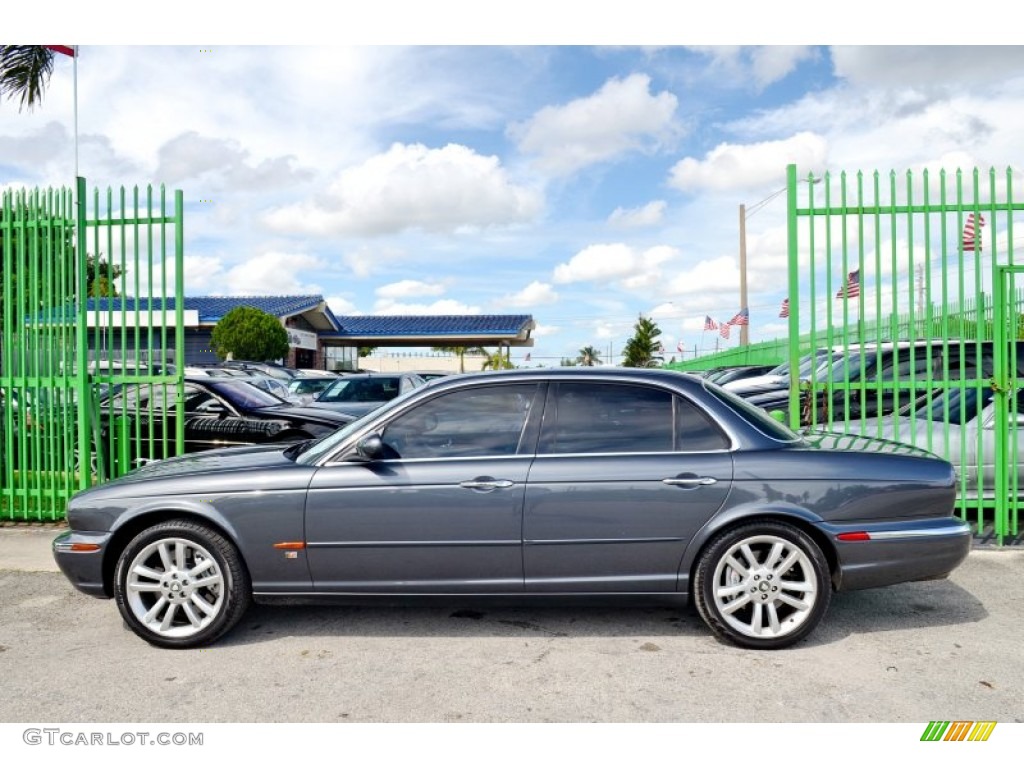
(91, 305)
(906, 283)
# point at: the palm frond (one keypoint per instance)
(24, 73)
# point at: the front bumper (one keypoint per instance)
(80, 554)
(898, 552)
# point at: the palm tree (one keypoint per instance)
(497, 362)
(643, 350)
(24, 73)
(589, 356)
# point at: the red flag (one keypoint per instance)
(723, 330)
(709, 324)
(679, 347)
(67, 50)
(527, 358)
(852, 288)
(784, 312)
(969, 241)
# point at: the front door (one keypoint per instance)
(441, 511)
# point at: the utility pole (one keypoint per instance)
(744, 329)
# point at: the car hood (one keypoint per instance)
(352, 410)
(307, 413)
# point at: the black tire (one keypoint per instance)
(189, 585)
(762, 585)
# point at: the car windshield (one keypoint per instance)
(328, 444)
(243, 394)
(353, 390)
(956, 406)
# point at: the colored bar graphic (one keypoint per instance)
(958, 730)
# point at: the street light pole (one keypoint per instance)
(744, 329)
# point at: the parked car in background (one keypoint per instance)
(277, 387)
(219, 412)
(725, 374)
(958, 424)
(360, 393)
(267, 369)
(778, 377)
(876, 379)
(537, 483)
(307, 386)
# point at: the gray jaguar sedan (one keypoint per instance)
(561, 483)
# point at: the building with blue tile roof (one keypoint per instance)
(318, 337)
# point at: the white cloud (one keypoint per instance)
(272, 274)
(542, 330)
(189, 156)
(413, 187)
(936, 67)
(711, 276)
(623, 116)
(341, 306)
(616, 262)
(747, 166)
(771, 63)
(644, 216)
(757, 65)
(533, 295)
(440, 307)
(404, 289)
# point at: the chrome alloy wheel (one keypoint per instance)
(764, 587)
(175, 588)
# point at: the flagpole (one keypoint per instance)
(75, 88)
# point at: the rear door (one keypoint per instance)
(624, 477)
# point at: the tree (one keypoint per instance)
(25, 73)
(568, 362)
(247, 333)
(589, 356)
(497, 362)
(643, 349)
(461, 352)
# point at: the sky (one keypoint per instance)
(397, 172)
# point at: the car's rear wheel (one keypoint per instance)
(762, 585)
(181, 584)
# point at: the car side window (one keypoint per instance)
(696, 431)
(608, 418)
(482, 421)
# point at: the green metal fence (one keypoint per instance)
(64, 350)
(911, 278)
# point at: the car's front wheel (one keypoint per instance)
(181, 584)
(762, 585)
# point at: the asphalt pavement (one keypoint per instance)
(941, 650)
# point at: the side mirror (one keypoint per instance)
(370, 448)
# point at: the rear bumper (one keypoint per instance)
(79, 555)
(898, 552)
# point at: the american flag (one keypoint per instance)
(741, 318)
(852, 288)
(527, 358)
(784, 312)
(679, 347)
(67, 50)
(723, 330)
(709, 324)
(969, 241)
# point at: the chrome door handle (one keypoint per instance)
(689, 482)
(486, 485)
